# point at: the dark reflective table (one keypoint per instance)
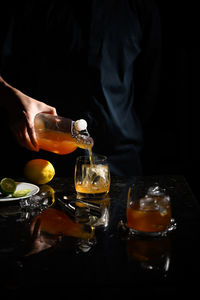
(69, 246)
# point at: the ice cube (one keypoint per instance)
(155, 190)
(164, 205)
(148, 203)
(100, 170)
(165, 201)
(95, 173)
(163, 211)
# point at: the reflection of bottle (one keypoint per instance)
(55, 222)
(61, 135)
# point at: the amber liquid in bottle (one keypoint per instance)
(54, 134)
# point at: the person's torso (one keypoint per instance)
(81, 60)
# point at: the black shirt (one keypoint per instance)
(97, 60)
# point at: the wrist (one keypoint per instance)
(7, 93)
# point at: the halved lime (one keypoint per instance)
(21, 193)
(7, 186)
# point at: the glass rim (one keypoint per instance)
(95, 156)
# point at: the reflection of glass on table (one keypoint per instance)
(151, 254)
(92, 177)
(95, 213)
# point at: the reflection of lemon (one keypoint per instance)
(48, 189)
(39, 171)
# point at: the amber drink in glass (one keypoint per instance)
(92, 176)
(148, 210)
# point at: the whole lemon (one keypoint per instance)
(39, 171)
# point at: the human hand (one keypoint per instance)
(21, 113)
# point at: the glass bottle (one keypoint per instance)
(61, 135)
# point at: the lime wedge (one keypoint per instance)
(7, 186)
(21, 193)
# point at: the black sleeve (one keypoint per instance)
(148, 65)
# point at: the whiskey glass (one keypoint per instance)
(92, 176)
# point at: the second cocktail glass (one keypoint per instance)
(149, 210)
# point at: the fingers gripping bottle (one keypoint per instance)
(61, 135)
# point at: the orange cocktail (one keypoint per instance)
(155, 216)
(89, 188)
(92, 176)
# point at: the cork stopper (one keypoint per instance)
(80, 133)
(80, 125)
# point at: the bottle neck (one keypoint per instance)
(83, 138)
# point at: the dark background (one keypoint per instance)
(171, 141)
